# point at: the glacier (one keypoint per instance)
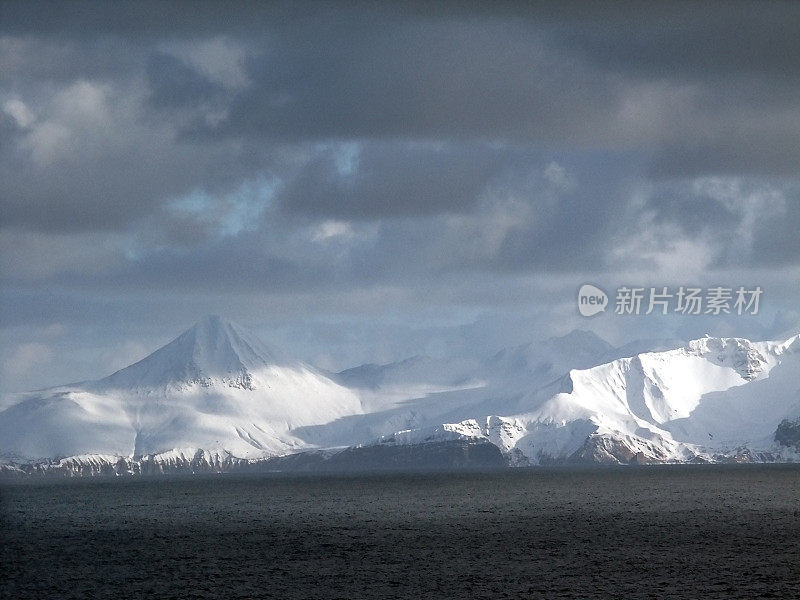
(217, 399)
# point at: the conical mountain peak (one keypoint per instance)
(214, 349)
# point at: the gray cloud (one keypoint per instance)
(361, 159)
(173, 83)
(734, 152)
(433, 79)
(752, 222)
(388, 180)
(558, 76)
(711, 38)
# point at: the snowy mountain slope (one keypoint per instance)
(426, 392)
(550, 359)
(215, 387)
(383, 386)
(216, 398)
(213, 351)
(711, 397)
(747, 414)
(524, 382)
(438, 372)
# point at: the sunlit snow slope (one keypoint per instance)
(712, 399)
(214, 387)
(217, 394)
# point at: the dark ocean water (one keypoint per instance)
(695, 532)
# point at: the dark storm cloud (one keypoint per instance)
(576, 240)
(754, 222)
(34, 58)
(9, 132)
(740, 59)
(550, 74)
(557, 74)
(146, 18)
(228, 265)
(234, 266)
(780, 246)
(430, 80)
(553, 74)
(696, 40)
(692, 212)
(156, 156)
(115, 187)
(174, 84)
(393, 180)
(762, 152)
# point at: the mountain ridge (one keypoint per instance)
(217, 390)
(214, 348)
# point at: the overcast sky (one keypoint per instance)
(360, 183)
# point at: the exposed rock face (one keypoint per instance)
(748, 361)
(604, 449)
(788, 434)
(455, 454)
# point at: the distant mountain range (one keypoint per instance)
(217, 399)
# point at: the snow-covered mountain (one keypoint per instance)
(711, 399)
(216, 398)
(552, 357)
(215, 387)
